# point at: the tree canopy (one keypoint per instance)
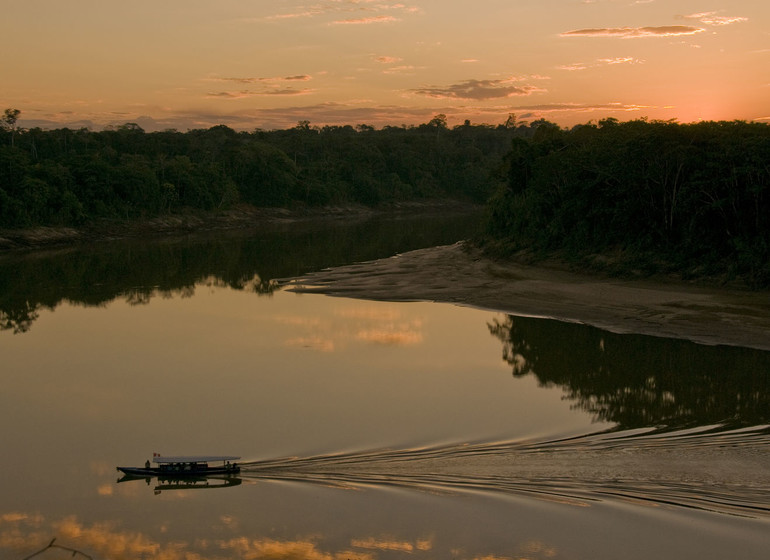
(659, 194)
(69, 177)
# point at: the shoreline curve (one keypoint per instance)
(459, 274)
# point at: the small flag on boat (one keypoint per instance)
(156, 454)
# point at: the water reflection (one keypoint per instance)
(22, 532)
(185, 482)
(640, 381)
(306, 375)
(140, 270)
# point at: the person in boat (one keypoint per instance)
(147, 464)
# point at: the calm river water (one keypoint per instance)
(367, 430)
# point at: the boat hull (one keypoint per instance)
(172, 472)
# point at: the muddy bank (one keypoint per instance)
(462, 275)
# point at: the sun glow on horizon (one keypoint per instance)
(271, 64)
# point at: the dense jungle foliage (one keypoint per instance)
(70, 177)
(655, 196)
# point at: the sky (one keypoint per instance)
(268, 64)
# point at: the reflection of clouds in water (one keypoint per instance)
(298, 321)
(396, 335)
(370, 313)
(313, 342)
(373, 324)
(23, 533)
(289, 550)
(392, 544)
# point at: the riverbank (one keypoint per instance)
(240, 217)
(460, 274)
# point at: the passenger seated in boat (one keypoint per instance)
(147, 464)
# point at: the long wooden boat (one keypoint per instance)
(182, 466)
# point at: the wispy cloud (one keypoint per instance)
(366, 20)
(241, 94)
(582, 107)
(269, 86)
(634, 32)
(577, 66)
(250, 80)
(574, 67)
(711, 18)
(402, 69)
(478, 90)
(387, 59)
(377, 8)
(620, 60)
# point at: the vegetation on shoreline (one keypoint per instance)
(69, 177)
(655, 197)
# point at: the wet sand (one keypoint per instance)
(461, 275)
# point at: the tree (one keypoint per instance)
(9, 121)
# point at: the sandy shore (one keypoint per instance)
(461, 275)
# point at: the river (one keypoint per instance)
(367, 429)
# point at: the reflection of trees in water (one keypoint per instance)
(639, 381)
(141, 270)
(18, 319)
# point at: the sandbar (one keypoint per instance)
(460, 274)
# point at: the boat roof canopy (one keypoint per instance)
(194, 458)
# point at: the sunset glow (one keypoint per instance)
(269, 64)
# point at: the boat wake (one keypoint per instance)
(712, 468)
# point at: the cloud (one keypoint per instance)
(300, 78)
(242, 94)
(366, 20)
(335, 7)
(538, 110)
(388, 59)
(403, 69)
(478, 90)
(635, 32)
(270, 86)
(620, 60)
(711, 18)
(576, 66)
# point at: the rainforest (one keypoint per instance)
(642, 197)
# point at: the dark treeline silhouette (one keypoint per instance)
(659, 196)
(647, 196)
(71, 177)
(640, 381)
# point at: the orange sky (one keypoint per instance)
(270, 63)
